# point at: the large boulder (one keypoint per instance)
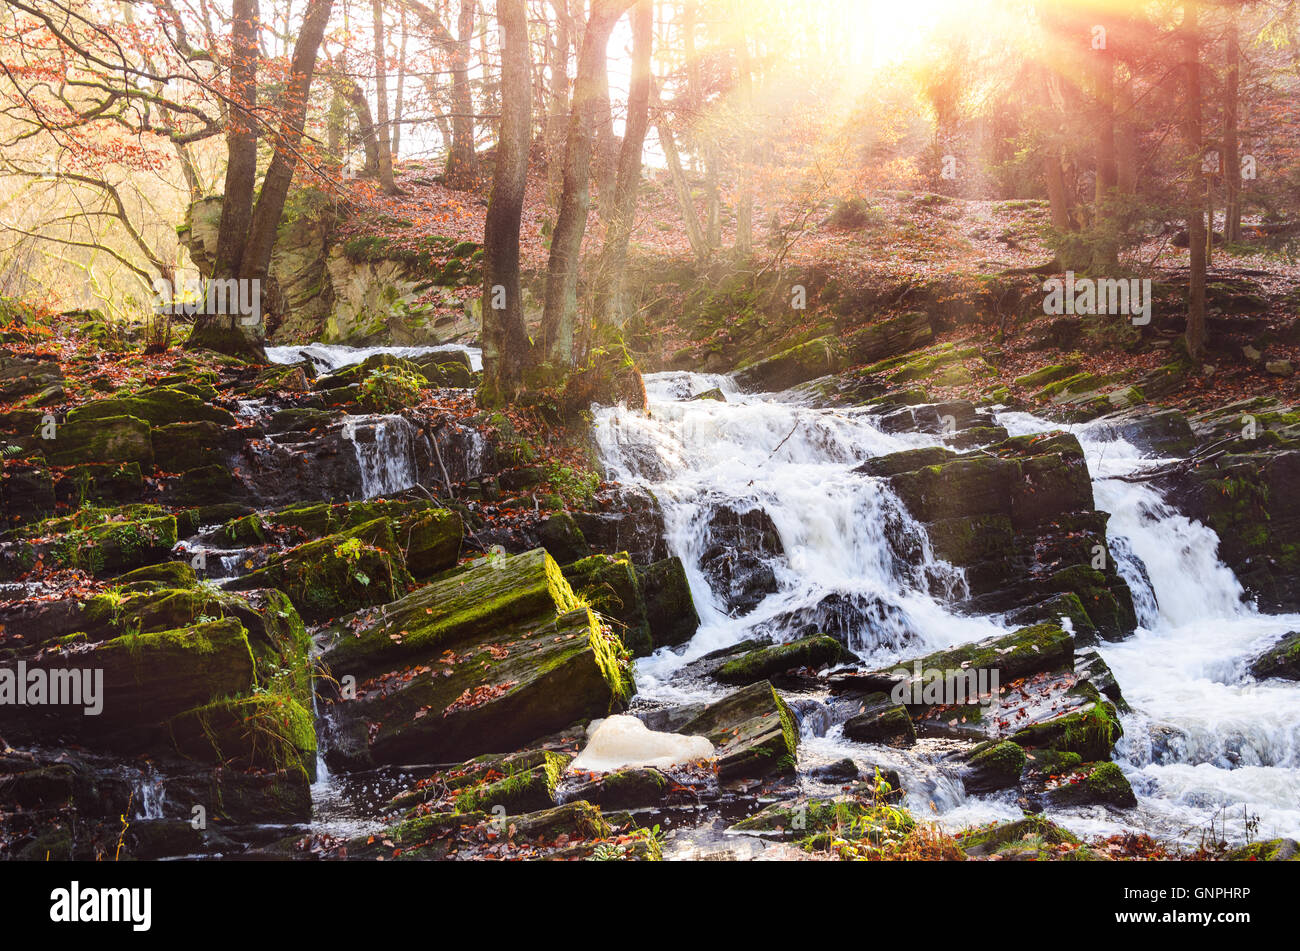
(339, 573)
(101, 439)
(157, 406)
(479, 662)
(1253, 502)
(801, 363)
(670, 608)
(1018, 519)
(753, 730)
(737, 560)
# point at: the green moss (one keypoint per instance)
(765, 662)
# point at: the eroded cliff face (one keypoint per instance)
(333, 287)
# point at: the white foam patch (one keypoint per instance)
(621, 742)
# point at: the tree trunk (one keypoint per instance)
(1126, 142)
(505, 337)
(231, 333)
(1195, 197)
(559, 105)
(241, 141)
(690, 218)
(398, 101)
(745, 203)
(608, 308)
(462, 159)
(1231, 133)
(381, 101)
(356, 98)
(561, 310)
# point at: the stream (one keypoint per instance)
(1206, 746)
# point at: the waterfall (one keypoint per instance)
(385, 448)
(1204, 742)
(850, 555)
(150, 795)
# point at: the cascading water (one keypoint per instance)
(385, 447)
(327, 358)
(1205, 741)
(843, 534)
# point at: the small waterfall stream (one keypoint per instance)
(1205, 742)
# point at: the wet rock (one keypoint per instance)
(736, 561)
(841, 771)
(115, 483)
(804, 362)
(1162, 433)
(714, 394)
(1253, 502)
(855, 620)
(1091, 731)
(1095, 784)
(999, 836)
(624, 789)
(1030, 650)
(880, 720)
(1281, 660)
(630, 520)
(752, 729)
(764, 663)
(670, 609)
(610, 585)
(993, 765)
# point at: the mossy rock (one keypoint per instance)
(100, 483)
(337, 574)
(1091, 731)
(799, 364)
(263, 731)
(103, 439)
(147, 678)
(188, 445)
(168, 574)
(510, 686)
(764, 663)
(1094, 784)
(1052, 373)
(670, 608)
(753, 730)
(994, 765)
(625, 789)
(496, 595)
(520, 790)
(1281, 660)
(1272, 850)
(610, 585)
(158, 407)
(880, 720)
(995, 837)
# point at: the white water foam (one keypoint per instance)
(1205, 742)
(328, 357)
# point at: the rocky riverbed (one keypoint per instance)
(337, 611)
